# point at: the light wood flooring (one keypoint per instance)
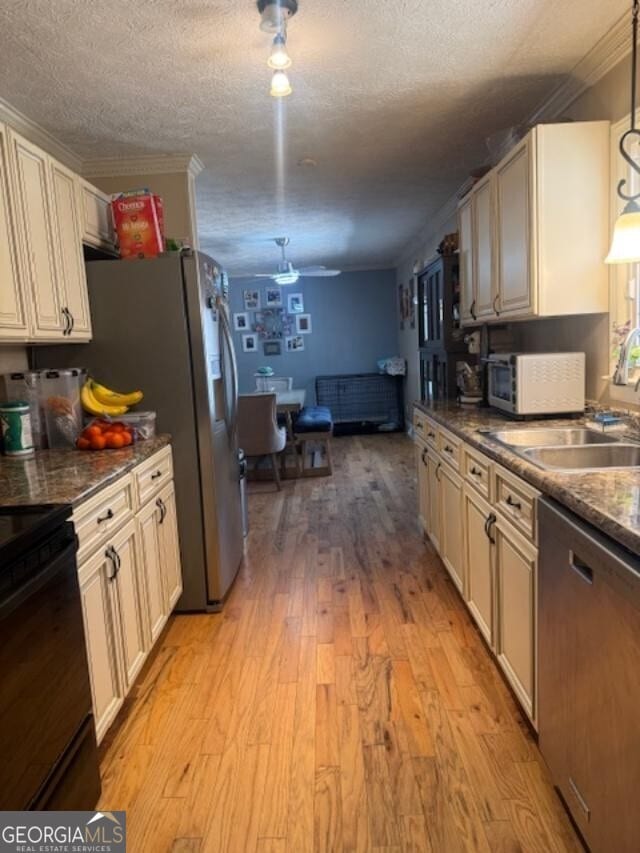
(342, 702)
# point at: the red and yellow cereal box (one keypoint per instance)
(138, 218)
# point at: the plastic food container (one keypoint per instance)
(60, 400)
(15, 423)
(25, 385)
(143, 424)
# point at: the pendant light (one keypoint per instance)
(279, 59)
(625, 247)
(280, 85)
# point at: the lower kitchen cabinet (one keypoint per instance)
(423, 485)
(478, 519)
(169, 547)
(130, 582)
(433, 498)
(451, 523)
(516, 567)
(95, 578)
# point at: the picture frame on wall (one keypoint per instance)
(241, 322)
(295, 303)
(295, 343)
(273, 297)
(251, 300)
(272, 348)
(250, 343)
(303, 324)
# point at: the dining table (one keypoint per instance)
(289, 403)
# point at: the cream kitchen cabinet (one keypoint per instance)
(482, 520)
(97, 222)
(451, 523)
(478, 518)
(467, 279)
(130, 579)
(13, 317)
(38, 263)
(539, 222)
(516, 571)
(421, 451)
(48, 300)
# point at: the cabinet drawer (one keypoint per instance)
(425, 428)
(476, 469)
(449, 448)
(517, 501)
(152, 475)
(102, 515)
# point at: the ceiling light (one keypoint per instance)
(279, 58)
(275, 14)
(280, 85)
(625, 248)
(284, 278)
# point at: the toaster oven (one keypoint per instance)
(551, 383)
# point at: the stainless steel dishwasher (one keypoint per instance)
(589, 677)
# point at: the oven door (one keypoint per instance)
(45, 696)
(502, 386)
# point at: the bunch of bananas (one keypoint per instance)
(101, 401)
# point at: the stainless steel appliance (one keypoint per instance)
(589, 677)
(162, 325)
(551, 383)
(48, 752)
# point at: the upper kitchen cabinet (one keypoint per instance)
(97, 223)
(537, 227)
(13, 318)
(46, 205)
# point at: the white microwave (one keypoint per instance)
(551, 383)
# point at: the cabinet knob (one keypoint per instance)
(106, 517)
(156, 474)
(475, 472)
(472, 310)
(495, 307)
(513, 504)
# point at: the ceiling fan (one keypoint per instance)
(288, 274)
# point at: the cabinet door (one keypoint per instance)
(483, 239)
(433, 498)
(72, 275)
(97, 225)
(451, 543)
(13, 318)
(516, 566)
(423, 485)
(96, 578)
(170, 547)
(155, 597)
(37, 242)
(513, 192)
(479, 560)
(467, 284)
(129, 603)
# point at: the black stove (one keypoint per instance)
(48, 757)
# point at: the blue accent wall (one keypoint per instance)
(354, 321)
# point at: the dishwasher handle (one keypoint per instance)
(580, 568)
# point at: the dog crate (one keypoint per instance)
(363, 402)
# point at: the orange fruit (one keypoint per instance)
(114, 440)
(92, 430)
(117, 427)
(83, 443)
(127, 438)
(98, 442)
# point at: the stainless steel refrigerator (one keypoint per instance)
(162, 325)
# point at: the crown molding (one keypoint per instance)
(147, 164)
(38, 135)
(605, 55)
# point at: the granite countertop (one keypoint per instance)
(609, 500)
(69, 476)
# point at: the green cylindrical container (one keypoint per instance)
(15, 420)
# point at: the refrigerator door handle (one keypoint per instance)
(228, 341)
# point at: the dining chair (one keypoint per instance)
(258, 432)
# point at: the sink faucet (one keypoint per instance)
(621, 374)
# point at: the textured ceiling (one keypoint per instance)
(392, 98)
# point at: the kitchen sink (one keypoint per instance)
(552, 437)
(585, 457)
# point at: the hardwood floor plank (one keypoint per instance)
(355, 815)
(273, 817)
(326, 673)
(327, 811)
